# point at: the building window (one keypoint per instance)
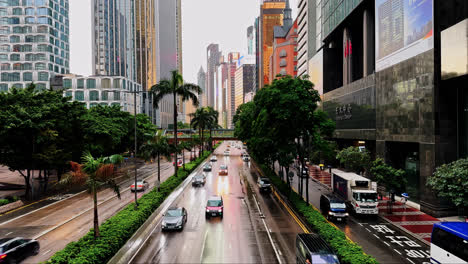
(27, 77)
(3, 87)
(5, 66)
(40, 86)
(17, 11)
(30, 20)
(91, 83)
(67, 84)
(40, 66)
(104, 95)
(94, 96)
(14, 57)
(79, 96)
(283, 53)
(80, 83)
(116, 83)
(43, 76)
(69, 94)
(116, 96)
(27, 66)
(18, 85)
(14, 39)
(29, 11)
(105, 83)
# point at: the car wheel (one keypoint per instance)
(36, 249)
(222, 216)
(207, 216)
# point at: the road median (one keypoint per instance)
(117, 230)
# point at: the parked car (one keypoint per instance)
(264, 185)
(227, 153)
(174, 219)
(207, 167)
(223, 170)
(311, 248)
(333, 207)
(199, 179)
(16, 249)
(214, 207)
(245, 157)
(213, 158)
(141, 186)
(179, 163)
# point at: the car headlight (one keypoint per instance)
(180, 222)
(346, 214)
(220, 210)
(330, 213)
(163, 223)
(207, 210)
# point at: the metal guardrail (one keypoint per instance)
(225, 133)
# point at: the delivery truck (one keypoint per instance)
(357, 192)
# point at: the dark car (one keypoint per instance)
(14, 250)
(214, 207)
(333, 207)
(264, 185)
(174, 219)
(311, 248)
(199, 179)
(207, 167)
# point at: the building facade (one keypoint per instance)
(34, 42)
(232, 61)
(244, 82)
(271, 15)
(201, 81)
(104, 90)
(213, 55)
(398, 91)
(283, 61)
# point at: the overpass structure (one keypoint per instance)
(187, 134)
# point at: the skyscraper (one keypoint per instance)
(34, 42)
(250, 41)
(233, 58)
(201, 81)
(302, 30)
(212, 55)
(271, 15)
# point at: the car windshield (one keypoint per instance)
(265, 181)
(338, 205)
(367, 197)
(214, 203)
(174, 213)
(223, 167)
(198, 177)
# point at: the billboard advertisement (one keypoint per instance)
(404, 29)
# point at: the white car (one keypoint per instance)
(141, 186)
(213, 158)
(227, 153)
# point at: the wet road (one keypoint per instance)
(256, 228)
(376, 236)
(67, 220)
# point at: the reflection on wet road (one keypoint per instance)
(240, 237)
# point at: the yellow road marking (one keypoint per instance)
(22, 207)
(292, 213)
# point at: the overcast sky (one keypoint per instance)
(203, 22)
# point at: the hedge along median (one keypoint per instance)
(347, 251)
(119, 228)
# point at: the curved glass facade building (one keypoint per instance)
(34, 42)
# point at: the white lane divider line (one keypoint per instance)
(397, 251)
(368, 230)
(386, 243)
(268, 233)
(8, 233)
(410, 260)
(203, 246)
(376, 236)
(46, 252)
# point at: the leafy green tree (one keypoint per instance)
(154, 149)
(182, 125)
(243, 119)
(95, 174)
(212, 124)
(450, 181)
(203, 118)
(387, 176)
(354, 159)
(175, 87)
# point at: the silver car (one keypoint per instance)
(199, 179)
(140, 186)
(174, 219)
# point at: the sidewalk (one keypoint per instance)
(408, 219)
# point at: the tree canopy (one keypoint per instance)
(388, 176)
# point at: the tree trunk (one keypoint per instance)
(159, 172)
(27, 180)
(287, 180)
(183, 158)
(307, 188)
(175, 133)
(211, 141)
(96, 221)
(202, 144)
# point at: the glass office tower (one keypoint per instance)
(34, 42)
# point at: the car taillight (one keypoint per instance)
(133, 186)
(140, 186)
(3, 256)
(357, 205)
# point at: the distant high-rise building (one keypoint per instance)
(34, 44)
(201, 81)
(212, 54)
(271, 15)
(250, 41)
(244, 83)
(257, 54)
(233, 58)
(302, 28)
(168, 54)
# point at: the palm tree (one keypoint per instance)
(156, 148)
(201, 119)
(175, 87)
(95, 174)
(213, 124)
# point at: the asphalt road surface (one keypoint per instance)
(256, 228)
(68, 218)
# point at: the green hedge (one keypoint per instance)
(8, 200)
(119, 228)
(347, 251)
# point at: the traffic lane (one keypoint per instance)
(391, 247)
(284, 228)
(212, 240)
(45, 218)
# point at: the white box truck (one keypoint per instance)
(357, 191)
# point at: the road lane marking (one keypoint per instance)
(8, 233)
(376, 236)
(268, 233)
(397, 251)
(46, 252)
(368, 230)
(291, 213)
(410, 260)
(386, 243)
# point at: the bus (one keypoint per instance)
(449, 243)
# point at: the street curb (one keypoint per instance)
(134, 244)
(406, 231)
